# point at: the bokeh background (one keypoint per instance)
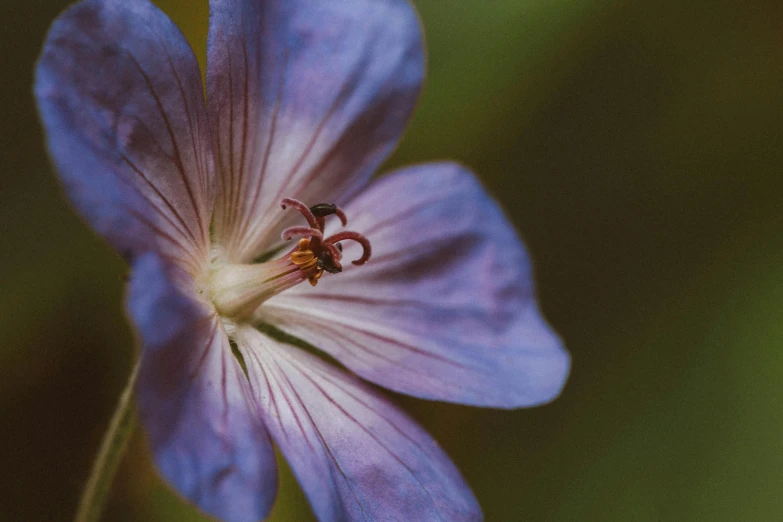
(638, 148)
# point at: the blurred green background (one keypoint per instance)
(638, 148)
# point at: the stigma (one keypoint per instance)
(237, 290)
(316, 254)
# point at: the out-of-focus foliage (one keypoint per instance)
(637, 145)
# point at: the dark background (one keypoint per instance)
(638, 148)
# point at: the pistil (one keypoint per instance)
(237, 290)
(325, 253)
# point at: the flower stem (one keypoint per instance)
(113, 446)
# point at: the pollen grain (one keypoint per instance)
(306, 260)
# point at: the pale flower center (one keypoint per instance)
(237, 290)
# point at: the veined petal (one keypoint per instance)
(445, 309)
(356, 455)
(306, 98)
(121, 99)
(195, 402)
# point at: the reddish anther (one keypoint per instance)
(355, 236)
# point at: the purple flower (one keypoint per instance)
(304, 99)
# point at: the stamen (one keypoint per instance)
(316, 255)
(355, 236)
(238, 289)
(304, 258)
(321, 210)
(315, 277)
(335, 252)
(290, 232)
(328, 263)
(301, 207)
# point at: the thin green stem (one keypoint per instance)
(113, 446)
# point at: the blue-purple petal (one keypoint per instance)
(356, 455)
(195, 402)
(121, 99)
(307, 97)
(445, 308)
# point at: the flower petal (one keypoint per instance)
(195, 402)
(445, 309)
(307, 97)
(121, 99)
(356, 455)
